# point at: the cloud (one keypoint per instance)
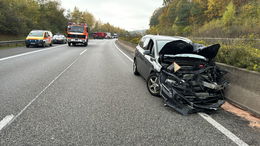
(127, 14)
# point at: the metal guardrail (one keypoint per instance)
(230, 39)
(227, 41)
(11, 42)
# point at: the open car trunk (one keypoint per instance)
(190, 81)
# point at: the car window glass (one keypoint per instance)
(45, 34)
(36, 34)
(151, 47)
(152, 51)
(146, 43)
(161, 43)
(141, 43)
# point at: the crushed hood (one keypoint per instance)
(176, 47)
(182, 47)
(209, 52)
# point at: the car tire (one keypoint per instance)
(50, 44)
(27, 46)
(69, 44)
(135, 71)
(153, 84)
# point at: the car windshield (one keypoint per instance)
(36, 34)
(161, 43)
(79, 29)
(58, 36)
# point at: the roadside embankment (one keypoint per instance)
(244, 89)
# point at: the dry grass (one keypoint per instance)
(11, 37)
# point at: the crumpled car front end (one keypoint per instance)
(191, 82)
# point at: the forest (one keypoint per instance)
(207, 18)
(19, 17)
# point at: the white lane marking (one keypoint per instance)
(28, 53)
(222, 129)
(5, 121)
(209, 119)
(83, 52)
(123, 53)
(38, 95)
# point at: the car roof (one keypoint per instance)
(170, 38)
(42, 30)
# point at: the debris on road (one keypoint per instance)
(253, 121)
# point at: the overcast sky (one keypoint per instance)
(127, 14)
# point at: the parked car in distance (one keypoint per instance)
(182, 72)
(59, 39)
(39, 38)
(115, 35)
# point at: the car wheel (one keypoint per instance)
(153, 84)
(69, 44)
(27, 46)
(50, 44)
(135, 68)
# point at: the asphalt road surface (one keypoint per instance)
(89, 96)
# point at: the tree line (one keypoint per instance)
(207, 18)
(78, 16)
(19, 17)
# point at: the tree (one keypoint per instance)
(155, 17)
(183, 13)
(229, 14)
(167, 2)
(76, 15)
(216, 8)
(88, 18)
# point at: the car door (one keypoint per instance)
(49, 38)
(148, 59)
(140, 55)
(46, 38)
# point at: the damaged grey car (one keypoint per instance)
(182, 72)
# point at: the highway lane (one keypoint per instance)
(19, 50)
(24, 77)
(96, 101)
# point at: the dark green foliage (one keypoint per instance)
(240, 55)
(155, 17)
(18, 17)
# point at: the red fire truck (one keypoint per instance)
(77, 34)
